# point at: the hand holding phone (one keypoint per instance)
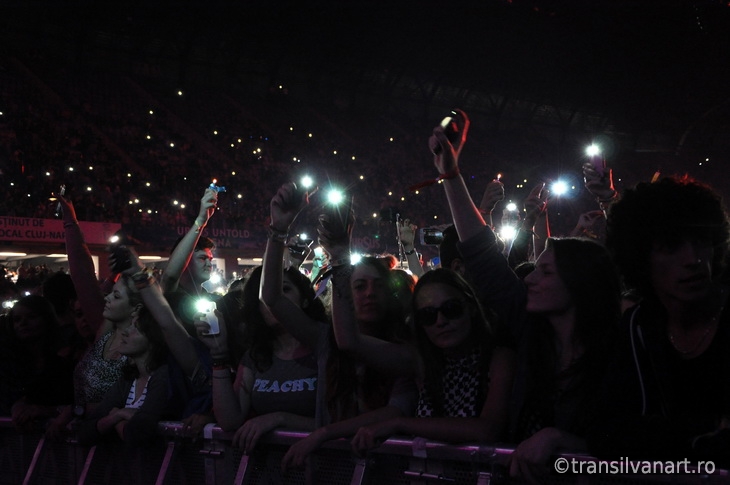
(59, 209)
(207, 308)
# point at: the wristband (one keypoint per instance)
(277, 235)
(199, 227)
(223, 363)
(444, 176)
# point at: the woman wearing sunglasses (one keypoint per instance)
(463, 378)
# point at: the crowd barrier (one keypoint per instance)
(210, 460)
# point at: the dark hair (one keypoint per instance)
(43, 307)
(665, 212)
(258, 336)
(135, 299)
(230, 306)
(202, 244)
(434, 360)
(148, 326)
(341, 379)
(593, 283)
(60, 291)
(448, 251)
(588, 274)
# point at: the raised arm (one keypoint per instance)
(535, 206)
(600, 186)
(81, 268)
(230, 391)
(180, 257)
(176, 337)
(288, 202)
(335, 229)
(492, 195)
(407, 238)
(467, 218)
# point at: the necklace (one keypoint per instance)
(699, 342)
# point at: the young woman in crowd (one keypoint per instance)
(345, 389)
(106, 316)
(453, 346)
(277, 380)
(463, 378)
(137, 401)
(573, 302)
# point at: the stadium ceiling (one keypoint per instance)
(653, 72)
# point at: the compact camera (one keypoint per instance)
(450, 125)
(431, 236)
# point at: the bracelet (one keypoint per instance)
(449, 175)
(70, 223)
(198, 226)
(277, 235)
(444, 176)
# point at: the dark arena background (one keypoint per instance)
(137, 106)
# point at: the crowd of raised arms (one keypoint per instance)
(617, 345)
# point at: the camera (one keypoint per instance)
(450, 125)
(431, 236)
(208, 307)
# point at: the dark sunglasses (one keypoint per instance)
(450, 309)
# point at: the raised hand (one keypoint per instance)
(492, 195)
(335, 231)
(286, 205)
(601, 186)
(446, 151)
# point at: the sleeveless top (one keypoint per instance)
(460, 389)
(94, 375)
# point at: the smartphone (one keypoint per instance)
(599, 165)
(59, 209)
(208, 307)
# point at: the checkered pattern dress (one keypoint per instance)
(461, 389)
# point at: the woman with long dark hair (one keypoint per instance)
(277, 381)
(573, 298)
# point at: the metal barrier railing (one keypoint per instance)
(210, 460)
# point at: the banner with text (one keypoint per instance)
(31, 230)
